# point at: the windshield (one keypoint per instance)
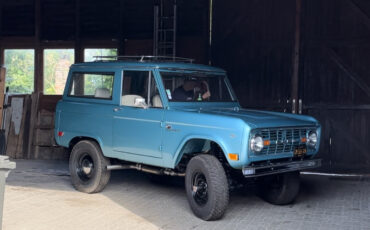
(196, 87)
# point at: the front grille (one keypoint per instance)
(283, 140)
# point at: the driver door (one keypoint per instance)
(137, 121)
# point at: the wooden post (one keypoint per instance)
(121, 41)
(79, 51)
(38, 81)
(295, 72)
(2, 90)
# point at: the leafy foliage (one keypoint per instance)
(56, 67)
(20, 68)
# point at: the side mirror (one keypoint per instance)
(140, 102)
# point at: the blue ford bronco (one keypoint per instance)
(170, 117)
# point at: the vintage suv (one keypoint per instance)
(168, 116)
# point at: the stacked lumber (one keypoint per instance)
(44, 141)
(30, 131)
(17, 126)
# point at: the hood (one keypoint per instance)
(259, 118)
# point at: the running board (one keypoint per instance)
(147, 169)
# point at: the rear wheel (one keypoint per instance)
(88, 167)
(206, 187)
(279, 189)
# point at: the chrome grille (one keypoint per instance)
(283, 140)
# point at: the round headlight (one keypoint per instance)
(312, 139)
(257, 143)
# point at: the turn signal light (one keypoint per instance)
(303, 140)
(233, 156)
(60, 134)
(266, 142)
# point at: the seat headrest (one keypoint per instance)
(129, 100)
(102, 93)
(157, 101)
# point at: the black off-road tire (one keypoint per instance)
(280, 189)
(208, 168)
(88, 151)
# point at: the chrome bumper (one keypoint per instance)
(275, 168)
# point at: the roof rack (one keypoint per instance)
(143, 59)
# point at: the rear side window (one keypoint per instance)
(91, 85)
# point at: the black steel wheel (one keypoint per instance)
(200, 188)
(280, 189)
(206, 187)
(88, 167)
(85, 167)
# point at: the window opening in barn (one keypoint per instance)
(20, 70)
(90, 54)
(56, 67)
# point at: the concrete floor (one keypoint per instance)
(39, 196)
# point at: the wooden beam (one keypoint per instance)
(1, 35)
(33, 120)
(2, 90)
(1, 18)
(331, 106)
(121, 39)
(359, 12)
(38, 81)
(348, 71)
(295, 58)
(79, 55)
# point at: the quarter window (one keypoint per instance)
(92, 85)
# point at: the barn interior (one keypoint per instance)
(294, 56)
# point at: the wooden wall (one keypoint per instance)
(254, 41)
(335, 79)
(123, 24)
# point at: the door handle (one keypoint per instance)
(117, 109)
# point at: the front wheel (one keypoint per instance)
(280, 189)
(88, 167)
(206, 186)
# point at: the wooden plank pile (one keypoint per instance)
(30, 131)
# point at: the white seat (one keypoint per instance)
(157, 101)
(129, 100)
(102, 93)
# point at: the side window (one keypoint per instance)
(91, 85)
(139, 89)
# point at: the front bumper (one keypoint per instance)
(281, 167)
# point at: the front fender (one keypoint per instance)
(223, 145)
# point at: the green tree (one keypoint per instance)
(19, 66)
(53, 58)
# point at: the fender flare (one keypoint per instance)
(95, 138)
(178, 155)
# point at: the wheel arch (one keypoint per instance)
(77, 139)
(191, 144)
